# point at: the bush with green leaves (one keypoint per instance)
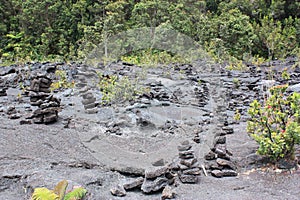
(275, 125)
(116, 89)
(152, 58)
(62, 81)
(59, 193)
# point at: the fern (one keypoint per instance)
(44, 194)
(60, 189)
(76, 194)
(59, 193)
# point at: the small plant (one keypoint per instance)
(237, 115)
(62, 81)
(59, 193)
(236, 82)
(258, 61)
(285, 75)
(275, 126)
(236, 65)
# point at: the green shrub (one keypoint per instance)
(62, 81)
(152, 57)
(275, 126)
(115, 89)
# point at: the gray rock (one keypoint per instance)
(228, 129)
(50, 118)
(213, 165)
(185, 178)
(152, 186)
(154, 172)
(294, 88)
(223, 173)
(217, 173)
(226, 163)
(91, 110)
(118, 191)
(220, 140)
(193, 171)
(158, 163)
(25, 121)
(168, 193)
(220, 150)
(14, 116)
(210, 156)
(229, 172)
(184, 147)
(182, 167)
(186, 154)
(188, 162)
(133, 183)
(88, 101)
(89, 106)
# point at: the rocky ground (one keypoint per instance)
(178, 139)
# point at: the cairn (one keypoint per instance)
(48, 105)
(3, 88)
(189, 166)
(88, 99)
(219, 162)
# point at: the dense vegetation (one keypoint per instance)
(69, 29)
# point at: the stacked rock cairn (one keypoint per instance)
(219, 162)
(88, 99)
(188, 164)
(48, 105)
(3, 88)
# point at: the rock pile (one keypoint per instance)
(202, 94)
(88, 99)
(12, 113)
(189, 166)
(3, 88)
(156, 179)
(218, 159)
(48, 105)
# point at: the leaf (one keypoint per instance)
(44, 194)
(60, 189)
(76, 194)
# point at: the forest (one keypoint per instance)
(243, 30)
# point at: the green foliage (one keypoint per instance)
(236, 82)
(151, 58)
(59, 193)
(235, 64)
(44, 194)
(63, 30)
(285, 75)
(76, 194)
(278, 39)
(237, 115)
(275, 126)
(116, 89)
(62, 81)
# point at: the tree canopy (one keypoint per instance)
(69, 29)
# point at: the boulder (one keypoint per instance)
(159, 183)
(168, 193)
(133, 183)
(118, 191)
